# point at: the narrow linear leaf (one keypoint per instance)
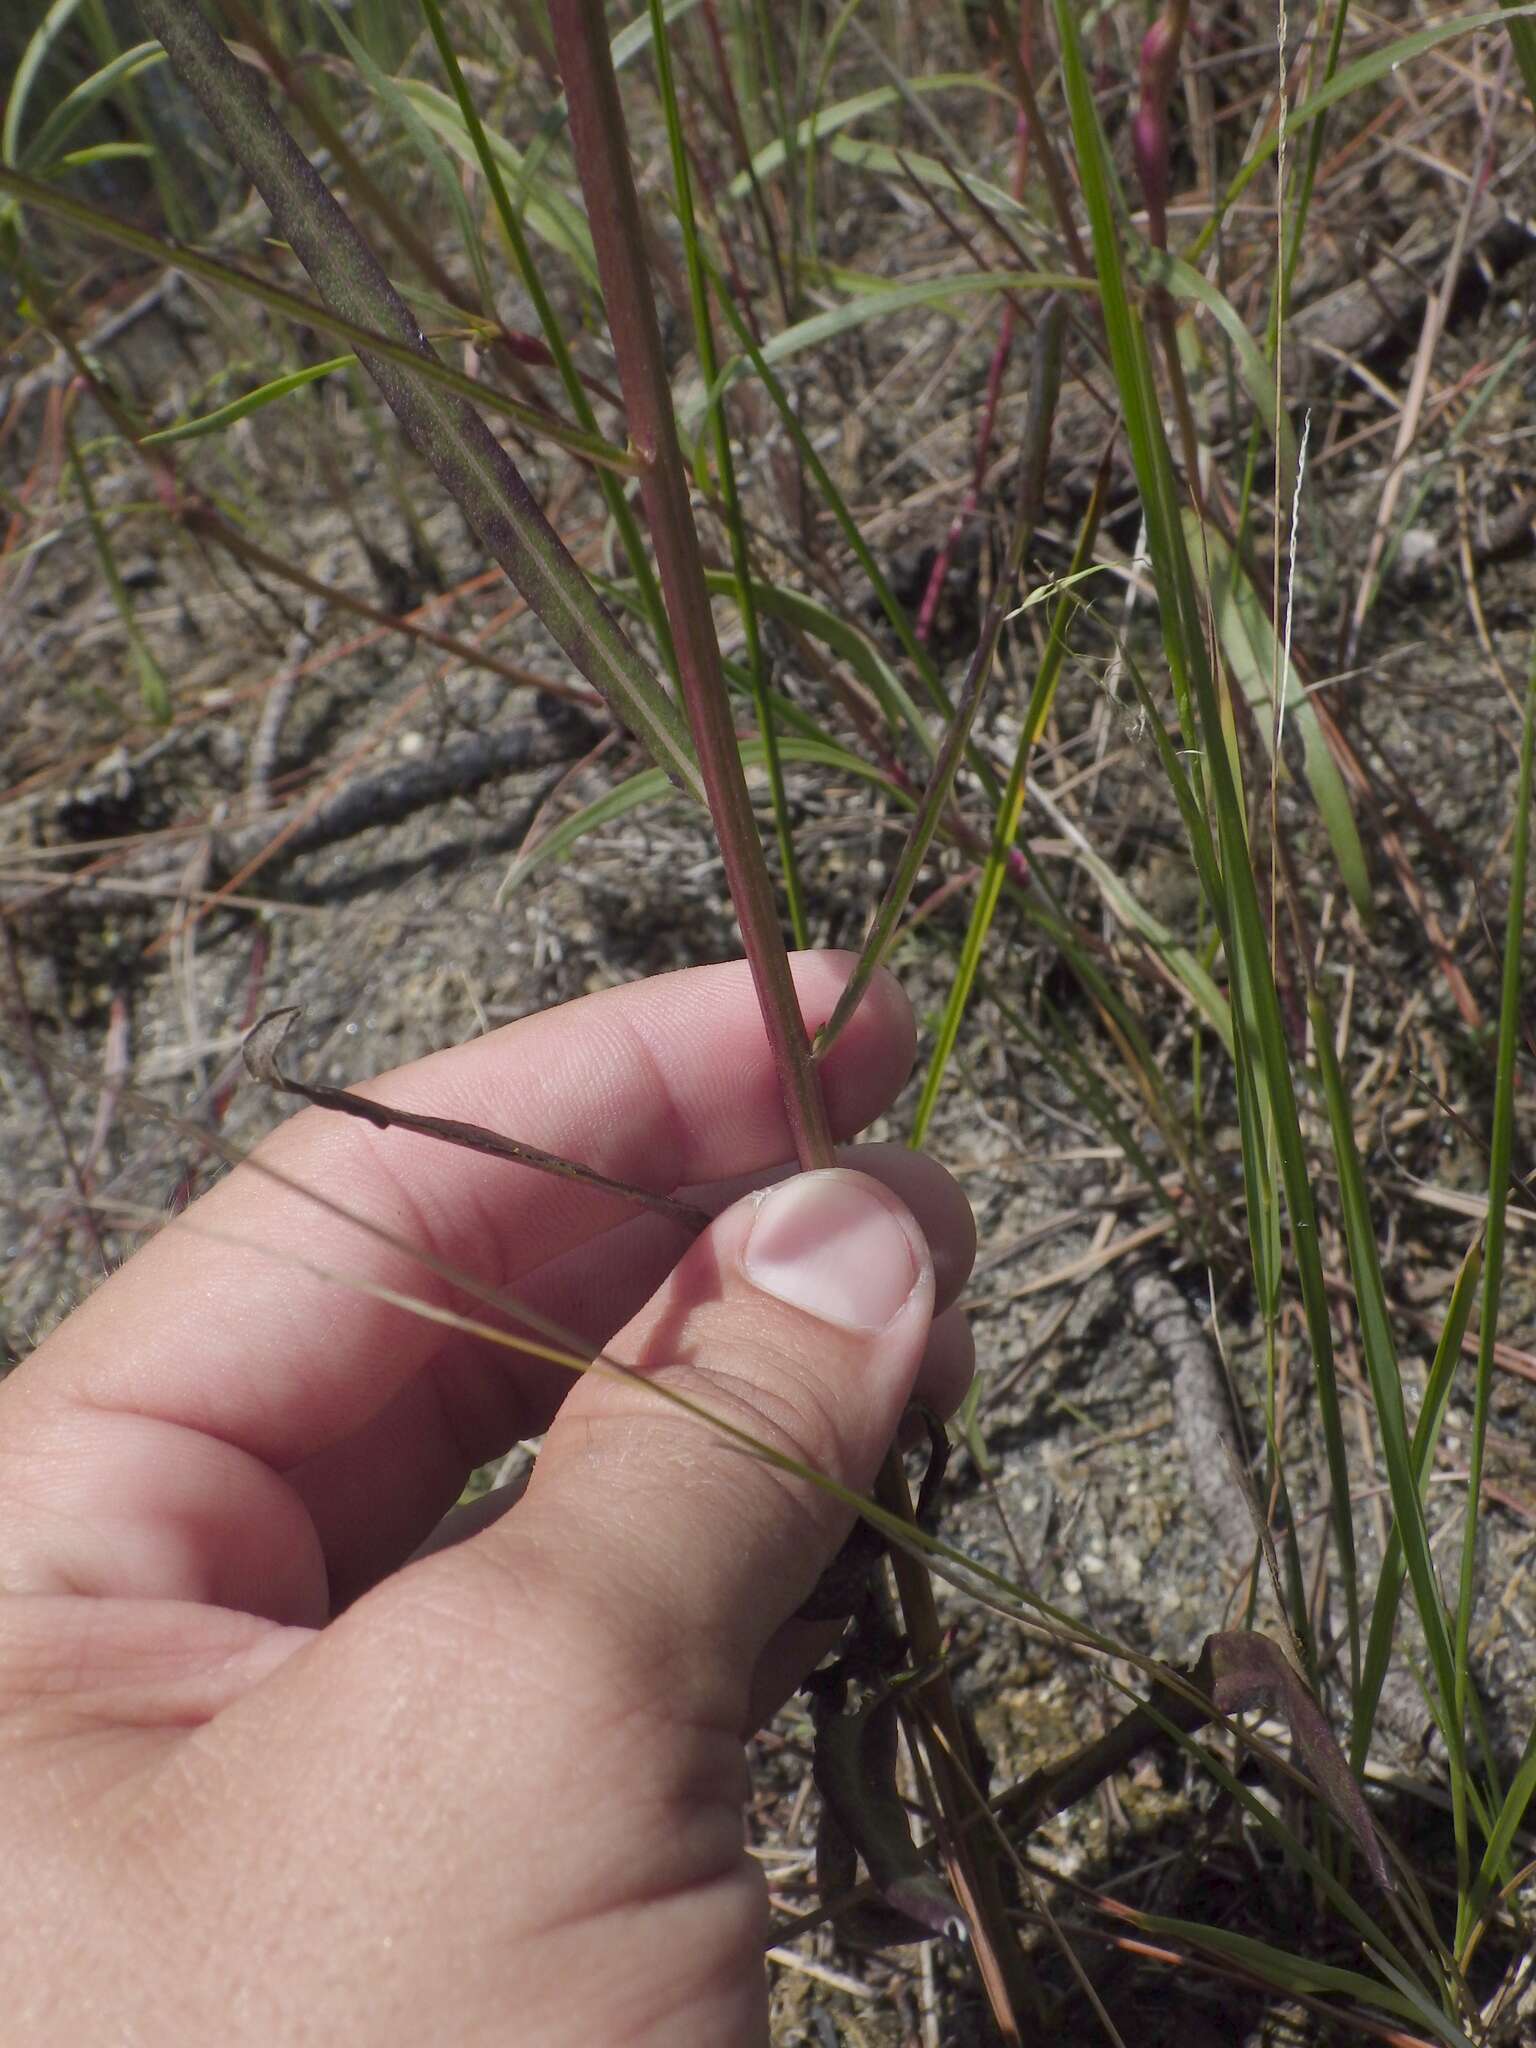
(725, 471)
(773, 157)
(264, 1041)
(98, 153)
(1298, 1973)
(43, 148)
(430, 368)
(842, 638)
(1155, 267)
(241, 408)
(1367, 70)
(1045, 391)
(878, 305)
(467, 458)
(1382, 1640)
(28, 65)
(651, 786)
(1522, 36)
(546, 210)
(1500, 1156)
(1272, 1122)
(1255, 656)
(1005, 822)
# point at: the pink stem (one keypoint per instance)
(1149, 129)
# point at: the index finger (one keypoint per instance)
(664, 1083)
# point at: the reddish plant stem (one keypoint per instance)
(602, 154)
(601, 149)
(939, 573)
(1057, 183)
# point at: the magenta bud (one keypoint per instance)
(1149, 126)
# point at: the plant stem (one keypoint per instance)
(471, 463)
(704, 344)
(613, 211)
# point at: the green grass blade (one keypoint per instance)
(1155, 268)
(895, 614)
(154, 690)
(725, 469)
(1256, 657)
(1062, 1052)
(1300, 1857)
(1287, 1971)
(1522, 36)
(1045, 392)
(634, 39)
(1426, 1435)
(879, 304)
(1367, 70)
(1500, 1153)
(28, 65)
(1501, 1835)
(548, 212)
(826, 121)
(387, 92)
(842, 638)
(650, 786)
(242, 408)
(99, 153)
(1380, 1353)
(43, 149)
(468, 460)
(1260, 1032)
(310, 313)
(620, 510)
(1005, 829)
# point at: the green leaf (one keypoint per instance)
(1368, 70)
(844, 639)
(1382, 1639)
(1512, 1031)
(1386, 1379)
(430, 369)
(1255, 657)
(650, 785)
(97, 153)
(1194, 979)
(1156, 267)
(546, 210)
(1522, 36)
(44, 147)
(1268, 1111)
(253, 401)
(1005, 825)
(771, 159)
(877, 305)
(1299, 1973)
(31, 61)
(391, 92)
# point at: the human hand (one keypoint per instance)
(265, 1781)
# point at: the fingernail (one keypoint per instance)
(826, 1243)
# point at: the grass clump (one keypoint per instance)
(1022, 488)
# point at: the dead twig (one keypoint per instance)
(261, 1050)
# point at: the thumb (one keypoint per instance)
(800, 1317)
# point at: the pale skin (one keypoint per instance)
(270, 1775)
